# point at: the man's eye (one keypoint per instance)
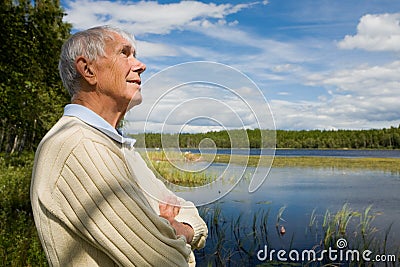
(126, 52)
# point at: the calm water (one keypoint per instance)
(300, 191)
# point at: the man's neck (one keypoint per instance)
(100, 105)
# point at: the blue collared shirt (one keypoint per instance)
(93, 119)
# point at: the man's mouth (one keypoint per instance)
(138, 82)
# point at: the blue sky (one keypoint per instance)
(320, 64)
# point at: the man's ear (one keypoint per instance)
(86, 70)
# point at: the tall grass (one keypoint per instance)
(167, 171)
(167, 167)
(19, 243)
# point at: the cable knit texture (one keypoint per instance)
(90, 211)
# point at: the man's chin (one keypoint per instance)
(136, 100)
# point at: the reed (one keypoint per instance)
(335, 226)
(313, 218)
(279, 216)
(166, 168)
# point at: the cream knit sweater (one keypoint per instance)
(90, 210)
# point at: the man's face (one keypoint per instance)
(118, 73)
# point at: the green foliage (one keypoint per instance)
(14, 185)
(30, 88)
(19, 243)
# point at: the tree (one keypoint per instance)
(32, 95)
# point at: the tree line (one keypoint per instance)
(387, 138)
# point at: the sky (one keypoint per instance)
(318, 64)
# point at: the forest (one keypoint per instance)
(31, 91)
(388, 138)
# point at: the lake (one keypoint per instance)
(236, 220)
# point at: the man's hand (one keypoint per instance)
(169, 210)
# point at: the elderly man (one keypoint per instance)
(88, 197)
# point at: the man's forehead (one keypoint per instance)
(119, 41)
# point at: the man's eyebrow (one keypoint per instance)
(126, 47)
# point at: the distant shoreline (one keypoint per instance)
(383, 164)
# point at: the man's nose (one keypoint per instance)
(138, 66)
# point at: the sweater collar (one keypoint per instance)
(93, 119)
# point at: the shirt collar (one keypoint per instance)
(93, 119)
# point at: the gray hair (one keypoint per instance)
(90, 44)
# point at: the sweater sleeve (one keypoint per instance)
(189, 214)
(156, 191)
(105, 207)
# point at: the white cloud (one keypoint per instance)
(147, 49)
(283, 93)
(366, 81)
(286, 68)
(364, 97)
(375, 33)
(341, 112)
(149, 17)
